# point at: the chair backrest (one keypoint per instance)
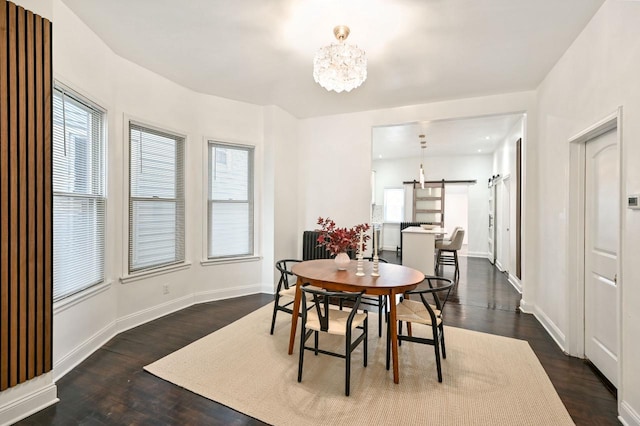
(321, 298)
(284, 266)
(436, 282)
(456, 240)
(437, 286)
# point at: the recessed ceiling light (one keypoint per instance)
(479, 150)
(487, 138)
(380, 156)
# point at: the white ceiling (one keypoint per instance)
(469, 136)
(418, 51)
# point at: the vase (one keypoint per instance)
(342, 260)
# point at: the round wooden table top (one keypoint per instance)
(396, 278)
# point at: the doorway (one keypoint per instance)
(594, 246)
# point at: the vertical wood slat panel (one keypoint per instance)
(25, 195)
(31, 320)
(48, 198)
(39, 121)
(22, 197)
(14, 212)
(4, 201)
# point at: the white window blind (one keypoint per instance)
(78, 194)
(230, 200)
(156, 198)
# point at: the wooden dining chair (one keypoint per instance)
(379, 302)
(425, 312)
(330, 319)
(286, 290)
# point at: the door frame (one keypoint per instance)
(576, 239)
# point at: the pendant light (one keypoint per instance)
(423, 146)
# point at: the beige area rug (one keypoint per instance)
(487, 379)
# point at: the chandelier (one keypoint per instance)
(423, 146)
(340, 66)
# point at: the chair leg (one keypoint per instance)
(366, 339)
(388, 342)
(347, 353)
(315, 341)
(438, 260)
(399, 332)
(455, 258)
(303, 338)
(275, 311)
(436, 345)
(380, 306)
(444, 351)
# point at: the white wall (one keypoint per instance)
(598, 73)
(335, 157)
(391, 173)
(82, 324)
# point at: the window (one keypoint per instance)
(156, 198)
(393, 204)
(78, 194)
(230, 200)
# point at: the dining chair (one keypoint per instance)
(329, 319)
(286, 289)
(379, 302)
(425, 312)
(448, 251)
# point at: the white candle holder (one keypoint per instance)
(376, 260)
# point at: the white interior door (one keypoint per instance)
(601, 253)
(505, 223)
(492, 224)
(499, 226)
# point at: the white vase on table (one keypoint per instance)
(342, 260)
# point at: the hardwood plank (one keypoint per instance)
(22, 197)
(48, 205)
(14, 211)
(4, 201)
(39, 122)
(31, 190)
(110, 386)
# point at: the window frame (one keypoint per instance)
(251, 200)
(384, 210)
(133, 274)
(102, 153)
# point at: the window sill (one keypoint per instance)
(68, 302)
(136, 276)
(225, 260)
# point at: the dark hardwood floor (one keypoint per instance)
(110, 387)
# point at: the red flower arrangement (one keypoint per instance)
(339, 240)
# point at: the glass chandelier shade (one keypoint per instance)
(340, 66)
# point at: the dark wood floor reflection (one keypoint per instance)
(110, 387)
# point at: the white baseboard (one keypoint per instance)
(227, 293)
(83, 350)
(515, 282)
(499, 265)
(628, 416)
(526, 307)
(27, 398)
(551, 328)
(388, 248)
(477, 254)
(141, 317)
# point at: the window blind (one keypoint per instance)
(78, 194)
(156, 198)
(230, 214)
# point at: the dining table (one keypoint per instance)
(392, 280)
